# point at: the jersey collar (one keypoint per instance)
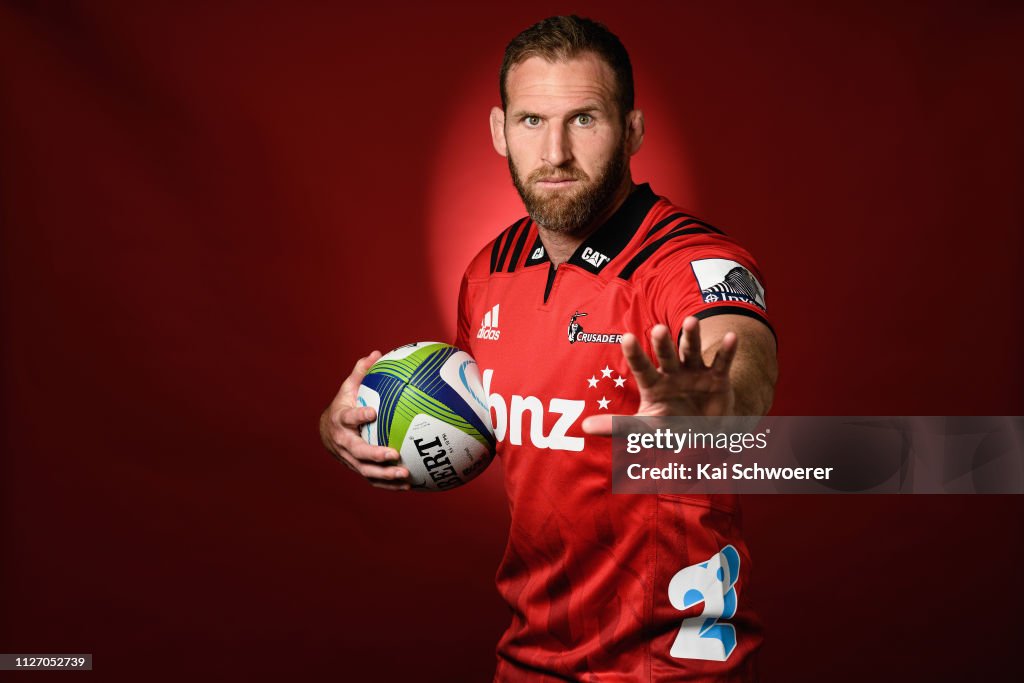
(608, 241)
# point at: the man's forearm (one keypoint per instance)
(754, 370)
(753, 381)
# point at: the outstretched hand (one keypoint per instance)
(681, 383)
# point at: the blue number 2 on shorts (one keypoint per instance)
(713, 583)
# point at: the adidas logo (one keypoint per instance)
(489, 326)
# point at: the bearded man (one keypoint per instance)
(602, 587)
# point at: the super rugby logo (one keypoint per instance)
(576, 333)
(725, 280)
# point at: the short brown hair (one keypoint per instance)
(561, 38)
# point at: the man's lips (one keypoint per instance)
(555, 182)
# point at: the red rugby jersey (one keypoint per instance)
(606, 587)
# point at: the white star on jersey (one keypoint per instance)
(602, 404)
(592, 382)
(620, 381)
(607, 372)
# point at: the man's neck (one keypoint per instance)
(560, 246)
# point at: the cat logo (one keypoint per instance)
(594, 258)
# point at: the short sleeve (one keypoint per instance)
(706, 281)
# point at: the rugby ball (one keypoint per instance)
(431, 409)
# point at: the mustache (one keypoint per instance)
(557, 174)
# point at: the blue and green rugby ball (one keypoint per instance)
(431, 408)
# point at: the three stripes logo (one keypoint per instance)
(489, 326)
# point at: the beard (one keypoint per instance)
(570, 212)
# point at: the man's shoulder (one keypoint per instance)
(673, 237)
(494, 255)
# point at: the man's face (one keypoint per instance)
(567, 146)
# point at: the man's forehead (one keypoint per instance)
(584, 78)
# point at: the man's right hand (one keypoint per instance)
(339, 431)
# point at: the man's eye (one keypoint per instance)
(532, 121)
(584, 119)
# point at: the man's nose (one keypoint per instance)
(557, 146)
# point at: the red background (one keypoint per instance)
(209, 212)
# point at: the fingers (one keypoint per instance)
(340, 434)
(726, 354)
(390, 474)
(664, 349)
(644, 371)
(362, 452)
(393, 477)
(363, 365)
(356, 417)
(597, 425)
(689, 344)
(377, 464)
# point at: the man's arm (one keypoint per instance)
(754, 368)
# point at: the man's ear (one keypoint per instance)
(498, 131)
(634, 131)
